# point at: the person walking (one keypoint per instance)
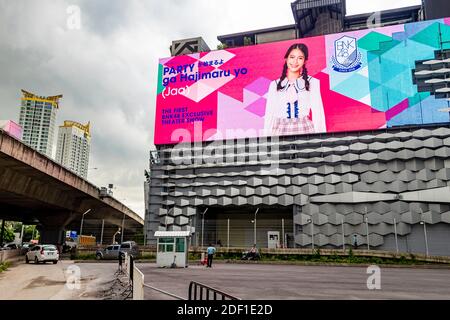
(355, 241)
(210, 251)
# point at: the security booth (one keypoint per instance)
(172, 249)
(273, 239)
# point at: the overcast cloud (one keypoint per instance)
(107, 69)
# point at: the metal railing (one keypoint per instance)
(164, 292)
(196, 290)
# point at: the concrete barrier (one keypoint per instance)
(9, 255)
(337, 252)
(138, 284)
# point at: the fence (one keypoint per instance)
(196, 290)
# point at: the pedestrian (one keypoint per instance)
(210, 251)
(355, 241)
(120, 261)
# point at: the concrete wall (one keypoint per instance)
(9, 255)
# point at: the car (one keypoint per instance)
(11, 246)
(42, 253)
(113, 251)
(25, 247)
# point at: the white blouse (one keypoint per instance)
(308, 101)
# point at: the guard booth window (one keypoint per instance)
(166, 244)
(179, 245)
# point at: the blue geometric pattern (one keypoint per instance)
(423, 112)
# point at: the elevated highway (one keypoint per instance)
(35, 189)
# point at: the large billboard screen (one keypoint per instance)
(362, 80)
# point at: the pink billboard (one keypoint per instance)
(361, 80)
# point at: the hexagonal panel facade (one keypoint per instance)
(383, 165)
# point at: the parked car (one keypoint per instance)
(11, 246)
(42, 253)
(113, 251)
(25, 247)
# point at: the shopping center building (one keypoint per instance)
(380, 173)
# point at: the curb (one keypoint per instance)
(324, 264)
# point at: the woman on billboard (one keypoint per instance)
(294, 105)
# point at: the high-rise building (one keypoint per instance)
(37, 118)
(74, 142)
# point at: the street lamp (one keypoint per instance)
(395, 233)
(114, 236)
(254, 228)
(367, 228)
(424, 231)
(312, 233)
(82, 219)
(203, 223)
(425, 235)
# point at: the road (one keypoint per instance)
(48, 281)
(246, 281)
(283, 282)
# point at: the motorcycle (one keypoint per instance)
(247, 255)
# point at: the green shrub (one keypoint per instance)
(85, 256)
(4, 265)
(147, 255)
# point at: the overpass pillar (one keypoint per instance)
(2, 232)
(52, 227)
(52, 235)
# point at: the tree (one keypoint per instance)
(28, 233)
(248, 41)
(222, 46)
(8, 235)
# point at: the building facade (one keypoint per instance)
(37, 119)
(73, 148)
(387, 188)
(376, 185)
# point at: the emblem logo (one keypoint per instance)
(346, 57)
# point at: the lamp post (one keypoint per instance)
(103, 227)
(228, 233)
(203, 223)
(254, 228)
(82, 219)
(424, 231)
(114, 236)
(121, 235)
(395, 233)
(312, 233)
(343, 236)
(425, 235)
(367, 228)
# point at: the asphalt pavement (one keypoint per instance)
(299, 282)
(55, 281)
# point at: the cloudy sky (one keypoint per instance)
(107, 68)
